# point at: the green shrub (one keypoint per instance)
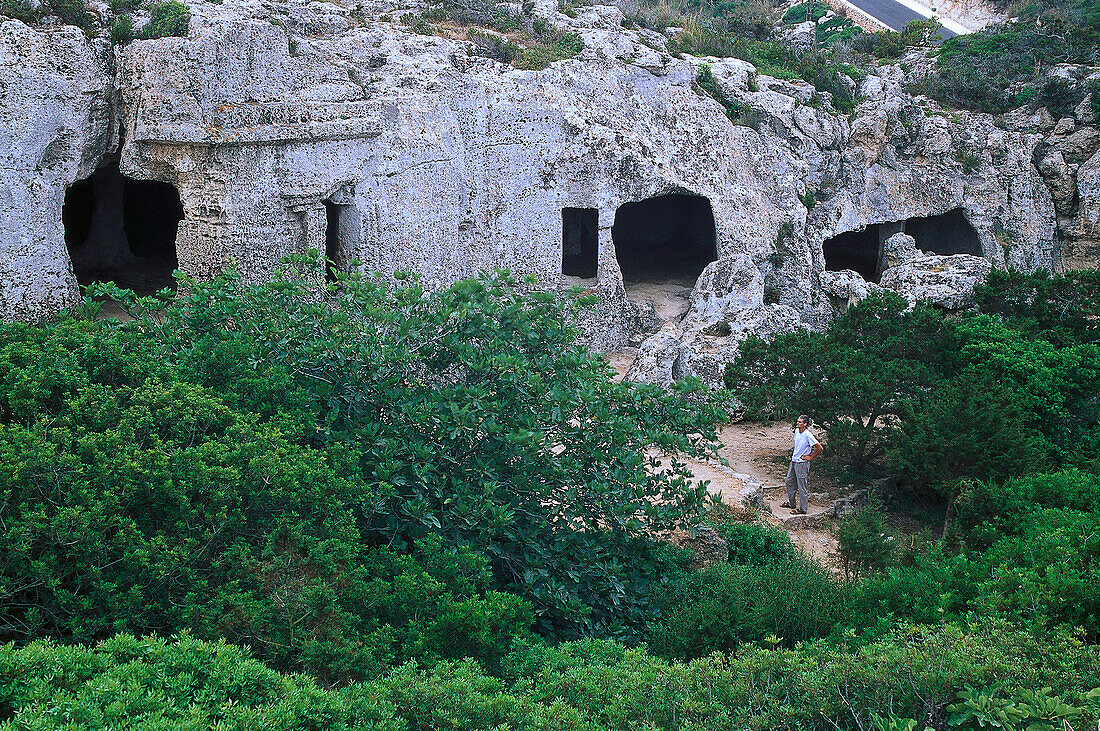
(756, 543)
(72, 12)
(1059, 95)
(862, 540)
(167, 19)
(122, 31)
(792, 599)
(22, 10)
(453, 413)
(803, 11)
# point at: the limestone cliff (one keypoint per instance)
(301, 125)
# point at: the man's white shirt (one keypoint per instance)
(803, 444)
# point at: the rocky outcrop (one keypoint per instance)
(56, 124)
(945, 281)
(298, 125)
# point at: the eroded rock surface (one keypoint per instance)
(297, 125)
(56, 124)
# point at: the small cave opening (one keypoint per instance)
(332, 240)
(668, 237)
(341, 225)
(122, 230)
(580, 231)
(947, 234)
(855, 250)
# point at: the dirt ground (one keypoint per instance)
(758, 454)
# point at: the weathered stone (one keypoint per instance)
(899, 249)
(425, 155)
(56, 123)
(1063, 186)
(845, 288)
(946, 281)
(1065, 126)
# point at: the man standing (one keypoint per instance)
(806, 448)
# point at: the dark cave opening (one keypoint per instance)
(946, 234)
(669, 236)
(341, 235)
(122, 230)
(855, 250)
(332, 240)
(580, 230)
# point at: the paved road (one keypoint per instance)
(893, 14)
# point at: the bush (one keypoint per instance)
(122, 31)
(167, 19)
(756, 543)
(22, 10)
(862, 540)
(72, 12)
(791, 599)
(381, 416)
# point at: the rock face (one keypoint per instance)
(57, 121)
(946, 281)
(293, 126)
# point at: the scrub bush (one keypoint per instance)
(725, 605)
(169, 18)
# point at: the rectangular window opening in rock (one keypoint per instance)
(665, 238)
(580, 235)
(340, 228)
(122, 230)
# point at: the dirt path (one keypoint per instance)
(758, 455)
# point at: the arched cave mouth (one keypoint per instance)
(122, 230)
(668, 237)
(946, 234)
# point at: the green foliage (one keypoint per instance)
(809, 10)
(912, 672)
(978, 70)
(168, 18)
(853, 380)
(1058, 95)
(22, 10)
(894, 43)
(122, 31)
(978, 426)
(1034, 710)
(72, 12)
(792, 598)
(980, 397)
(756, 543)
(1063, 309)
(738, 113)
(970, 159)
(862, 540)
(141, 463)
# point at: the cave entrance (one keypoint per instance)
(859, 251)
(122, 230)
(580, 231)
(946, 234)
(666, 237)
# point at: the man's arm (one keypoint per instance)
(814, 451)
